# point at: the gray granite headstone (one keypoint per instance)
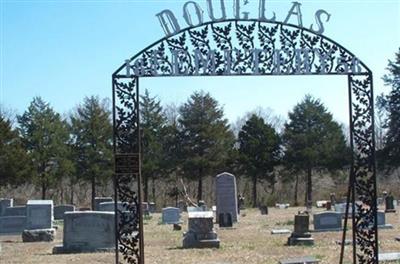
(4, 203)
(226, 195)
(110, 206)
(382, 221)
(15, 211)
(152, 207)
(301, 234)
(195, 209)
(145, 208)
(87, 232)
(341, 208)
(182, 206)
(201, 232)
(389, 204)
(39, 214)
(99, 200)
(328, 221)
(171, 215)
(12, 224)
(59, 210)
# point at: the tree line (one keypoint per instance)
(190, 141)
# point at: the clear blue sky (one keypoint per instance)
(64, 50)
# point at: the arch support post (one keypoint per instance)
(363, 169)
(127, 177)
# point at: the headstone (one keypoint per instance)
(99, 200)
(193, 209)
(327, 221)
(328, 206)
(225, 220)
(241, 202)
(301, 260)
(202, 205)
(59, 210)
(110, 206)
(382, 221)
(171, 215)
(12, 224)
(301, 234)
(333, 198)
(39, 214)
(15, 211)
(145, 208)
(389, 204)
(226, 195)
(87, 232)
(152, 207)
(201, 232)
(341, 208)
(264, 209)
(182, 206)
(4, 203)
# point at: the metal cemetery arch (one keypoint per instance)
(244, 47)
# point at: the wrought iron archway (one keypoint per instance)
(244, 47)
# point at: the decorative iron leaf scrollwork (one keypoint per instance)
(364, 168)
(234, 42)
(249, 47)
(126, 127)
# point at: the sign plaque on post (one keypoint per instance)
(127, 163)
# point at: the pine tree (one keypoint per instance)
(391, 104)
(152, 122)
(312, 139)
(205, 138)
(259, 151)
(44, 135)
(92, 140)
(15, 166)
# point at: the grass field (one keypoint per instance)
(250, 242)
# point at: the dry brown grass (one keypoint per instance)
(250, 242)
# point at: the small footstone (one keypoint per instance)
(177, 227)
(302, 260)
(280, 231)
(389, 256)
(38, 235)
